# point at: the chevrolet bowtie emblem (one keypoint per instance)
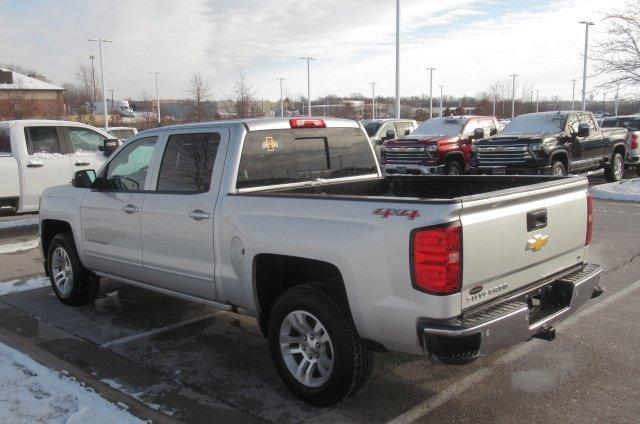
(500, 149)
(537, 242)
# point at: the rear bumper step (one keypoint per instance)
(512, 321)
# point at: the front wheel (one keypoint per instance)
(558, 169)
(615, 171)
(314, 346)
(453, 168)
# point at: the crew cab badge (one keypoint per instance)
(537, 242)
(269, 144)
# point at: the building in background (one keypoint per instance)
(29, 96)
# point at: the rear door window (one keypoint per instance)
(272, 157)
(43, 140)
(187, 163)
(5, 142)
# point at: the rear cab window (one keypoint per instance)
(5, 142)
(42, 140)
(285, 156)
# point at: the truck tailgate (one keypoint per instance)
(517, 239)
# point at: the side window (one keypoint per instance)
(470, 127)
(5, 142)
(389, 126)
(187, 163)
(84, 140)
(404, 128)
(42, 140)
(489, 127)
(585, 117)
(572, 124)
(128, 169)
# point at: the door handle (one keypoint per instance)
(130, 209)
(35, 165)
(199, 215)
(82, 164)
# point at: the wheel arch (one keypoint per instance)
(48, 230)
(562, 156)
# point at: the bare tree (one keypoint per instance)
(18, 101)
(243, 100)
(618, 57)
(199, 93)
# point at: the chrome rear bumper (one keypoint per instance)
(516, 320)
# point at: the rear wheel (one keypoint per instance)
(615, 171)
(453, 168)
(314, 346)
(558, 169)
(71, 282)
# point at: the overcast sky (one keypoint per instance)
(472, 43)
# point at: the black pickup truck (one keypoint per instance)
(555, 143)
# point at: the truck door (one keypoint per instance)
(111, 217)
(178, 213)
(593, 145)
(43, 165)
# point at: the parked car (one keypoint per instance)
(632, 124)
(381, 130)
(437, 146)
(556, 143)
(122, 133)
(274, 218)
(36, 154)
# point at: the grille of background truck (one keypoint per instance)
(406, 155)
(502, 154)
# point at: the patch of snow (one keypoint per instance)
(19, 246)
(18, 223)
(625, 191)
(115, 384)
(18, 286)
(30, 392)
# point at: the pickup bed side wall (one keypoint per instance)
(371, 253)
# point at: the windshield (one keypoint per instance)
(536, 123)
(630, 123)
(440, 126)
(371, 128)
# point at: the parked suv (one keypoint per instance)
(437, 146)
(555, 143)
(36, 154)
(632, 124)
(381, 130)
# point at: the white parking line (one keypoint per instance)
(156, 331)
(457, 388)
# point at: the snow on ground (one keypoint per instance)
(627, 191)
(19, 246)
(30, 392)
(17, 286)
(18, 223)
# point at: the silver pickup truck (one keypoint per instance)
(290, 221)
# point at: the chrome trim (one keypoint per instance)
(181, 274)
(305, 183)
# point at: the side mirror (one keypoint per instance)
(84, 178)
(110, 145)
(583, 130)
(407, 131)
(478, 133)
(390, 135)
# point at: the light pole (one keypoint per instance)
(281, 99)
(586, 24)
(308, 59)
(604, 99)
(537, 99)
(431, 91)
(513, 95)
(101, 40)
(573, 94)
(494, 101)
(373, 99)
(398, 59)
(111, 91)
(157, 96)
(616, 104)
(441, 109)
(93, 84)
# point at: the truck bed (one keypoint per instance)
(436, 189)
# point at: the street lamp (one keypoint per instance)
(373, 99)
(101, 40)
(398, 59)
(537, 99)
(513, 95)
(573, 94)
(586, 24)
(431, 91)
(157, 96)
(617, 98)
(308, 59)
(281, 100)
(441, 110)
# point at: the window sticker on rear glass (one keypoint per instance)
(269, 144)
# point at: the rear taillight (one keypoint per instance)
(307, 123)
(587, 241)
(634, 141)
(436, 259)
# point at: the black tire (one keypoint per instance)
(638, 170)
(615, 171)
(352, 361)
(84, 285)
(453, 167)
(558, 169)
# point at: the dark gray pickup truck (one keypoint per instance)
(555, 143)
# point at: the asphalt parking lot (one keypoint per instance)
(175, 360)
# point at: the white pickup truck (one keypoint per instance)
(36, 154)
(290, 221)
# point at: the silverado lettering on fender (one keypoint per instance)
(290, 221)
